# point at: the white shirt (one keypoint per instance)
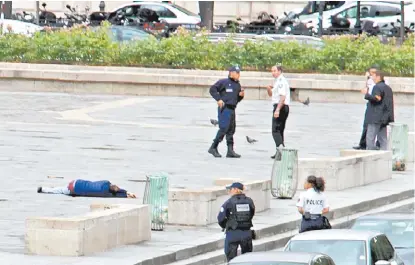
(370, 84)
(312, 201)
(281, 88)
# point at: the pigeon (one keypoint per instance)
(214, 122)
(250, 140)
(307, 102)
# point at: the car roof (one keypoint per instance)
(143, 3)
(275, 256)
(336, 234)
(299, 37)
(18, 22)
(388, 216)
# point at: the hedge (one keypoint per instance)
(79, 45)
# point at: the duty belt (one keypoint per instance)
(230, 106)
(315, 216)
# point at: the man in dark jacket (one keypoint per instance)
(379, 113)
(227, 93)
(86, 188)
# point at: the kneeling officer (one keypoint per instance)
(235, 217)
(228, 93)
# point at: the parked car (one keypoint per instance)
(126, 34)
(346, 246)
(19, 27)
(168, 12)
(314, 42)
(368, 10)
(398, 227)
(282, 258)
(240, 38)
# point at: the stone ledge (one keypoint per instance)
(183, 83)
(205, 203)
(154, 78)
(104, 228)
(214, 73)
(352, 169)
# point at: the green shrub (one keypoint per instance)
(79, 45)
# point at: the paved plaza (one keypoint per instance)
(124, 138)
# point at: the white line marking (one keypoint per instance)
(82, 113)
(46, 124)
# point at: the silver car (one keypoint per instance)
(282, 258)
(398, 227)
(347, 247)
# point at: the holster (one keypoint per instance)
(307, 216)
(253, 234)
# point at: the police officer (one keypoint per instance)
(228, 93)
(280, 94)
(235, 217)
(312, 204)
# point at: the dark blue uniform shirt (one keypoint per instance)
(227, 90)
(234, 235)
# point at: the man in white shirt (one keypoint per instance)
(370, 83)
(280, 95)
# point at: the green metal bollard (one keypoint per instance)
(156, 195)
(284, 176)
(398, 144)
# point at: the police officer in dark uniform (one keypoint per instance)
(235, 217)
(228, 93)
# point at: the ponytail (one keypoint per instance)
(317, 183)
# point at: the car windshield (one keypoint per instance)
(336, 249)
(184, 10)
(269, 263)
(399, 232)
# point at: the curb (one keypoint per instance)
(281, 231)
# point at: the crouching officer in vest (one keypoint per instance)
(312, 204)
(228, 93)
(235, 217)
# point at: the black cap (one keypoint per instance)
(235, 69)
(236, 185)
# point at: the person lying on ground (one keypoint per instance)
(86, 188)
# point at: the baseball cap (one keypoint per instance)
(235, 69)
(236, 185)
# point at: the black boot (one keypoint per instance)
(213, 150)
(231, 153)
(277, 155)
(39, 190)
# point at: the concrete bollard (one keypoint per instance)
(398, 144)
(284, 176)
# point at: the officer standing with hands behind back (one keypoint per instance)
(228, 93)
(235, 217)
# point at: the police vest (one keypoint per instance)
(240, 215)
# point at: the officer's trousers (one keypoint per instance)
(312, 224)
(231, 247)
(278, 124)
(227, 125)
